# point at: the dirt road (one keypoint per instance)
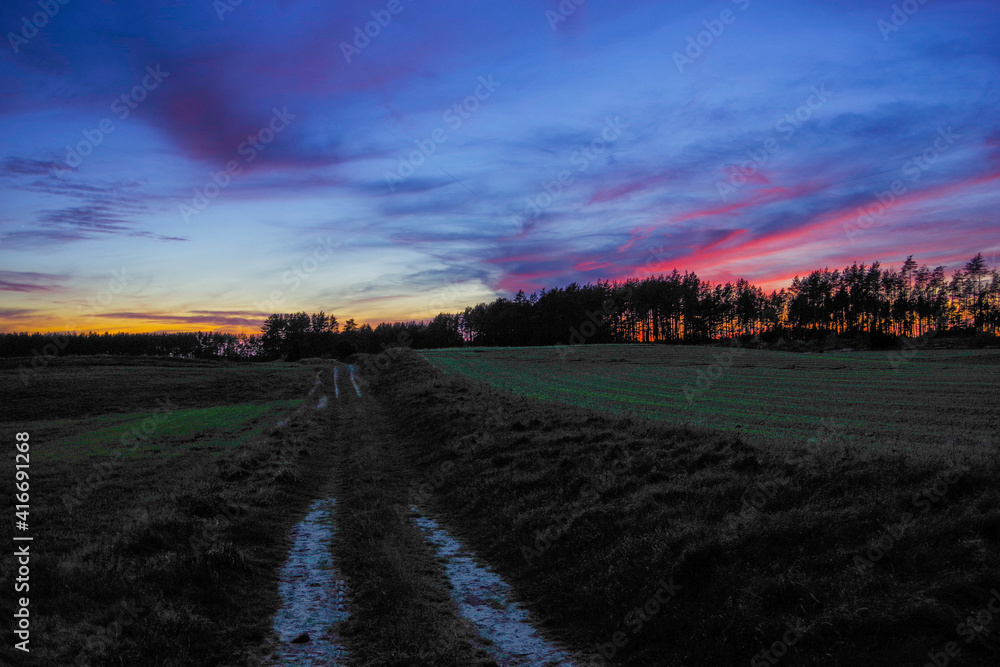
(411, 593)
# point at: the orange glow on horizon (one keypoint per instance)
(44, 325)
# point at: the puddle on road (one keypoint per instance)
(484, 598)
(352, 369)
(314, 598)
(336, 388)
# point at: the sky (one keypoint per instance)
(200, 165)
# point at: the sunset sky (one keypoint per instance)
(199, 167)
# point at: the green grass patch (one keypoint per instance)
(166, 432)
(922, 402)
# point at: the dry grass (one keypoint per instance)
(760, 540)
(150, 559)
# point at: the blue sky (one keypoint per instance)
(266, 158)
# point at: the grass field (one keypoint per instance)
(791, 555)
(177, 430)
(928, 399)
(161, 497)
(164, 493)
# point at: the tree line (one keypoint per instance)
(290, 336)
(197, 345)
(860, 302)
(298, 335)
(866, 301)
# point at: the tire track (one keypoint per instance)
(352, 368)
(484, 598)
(415, 587)
(401, 612)
(406, 591)
(314, 595)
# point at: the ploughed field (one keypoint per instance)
(907, 400)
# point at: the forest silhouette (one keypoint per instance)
(867, 305)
